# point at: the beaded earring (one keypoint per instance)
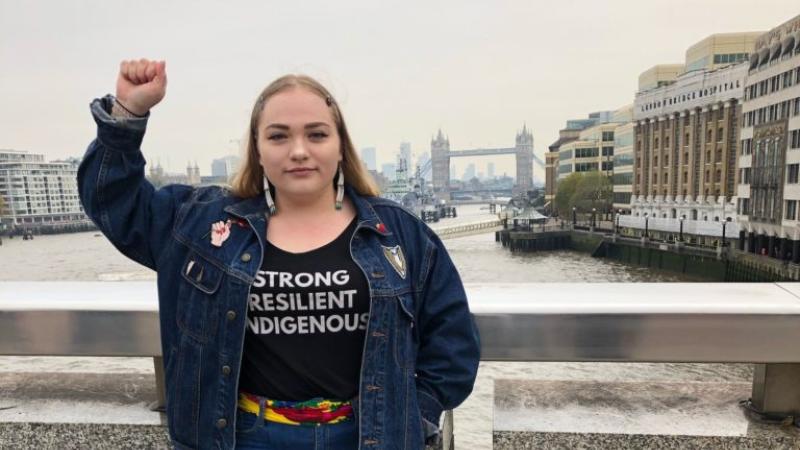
(268, 197)
(340, 188)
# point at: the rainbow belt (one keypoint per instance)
(314, 412)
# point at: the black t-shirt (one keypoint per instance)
(306, 321)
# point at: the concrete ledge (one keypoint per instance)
(78, 398)
(590, 414)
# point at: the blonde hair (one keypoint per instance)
(248, 181)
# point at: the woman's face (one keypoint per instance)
(298, 144)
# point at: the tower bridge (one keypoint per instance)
(523, 150)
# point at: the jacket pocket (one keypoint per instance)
(404, 332)
(197, 297)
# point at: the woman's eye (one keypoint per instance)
(276, 136)
(318, 135)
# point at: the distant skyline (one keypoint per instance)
(400, 70)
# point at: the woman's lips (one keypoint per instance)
(300, 171)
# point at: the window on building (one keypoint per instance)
(791, 210)
(792, 175)
(744, 176)
(608, 135)
(718, 176)
(709, 135)
(795, 139)
(608, 151)
(720, 134)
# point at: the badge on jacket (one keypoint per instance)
(396, 258)
(220, 232)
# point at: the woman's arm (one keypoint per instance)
(134, 216)
(449, 352)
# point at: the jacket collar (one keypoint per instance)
(248, 208)
(256, 208)
(367, 217)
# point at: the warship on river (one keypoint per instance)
(413, 193)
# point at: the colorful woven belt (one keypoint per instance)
(314, 412)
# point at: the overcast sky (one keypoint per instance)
(400, 70)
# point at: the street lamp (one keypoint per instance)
(724, 222)
(617, 227)
(682, 218)
(574, 216)
(594, 211)
(645, 225)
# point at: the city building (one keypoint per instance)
(193, 174)
(490, 170)
(158, 177)
(592, 151)
(440, 150)
(405, 153)
(38, 195)
(659, 75)
(368, 156)
(422, 160)
(225, 167)
(685, 139)
(622, 180)
(389, 170)
(469, 172)
(568, 134)
(768, 180)
(720, 50)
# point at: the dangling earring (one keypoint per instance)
(268, 196)
(340, 188)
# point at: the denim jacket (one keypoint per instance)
(421, 348)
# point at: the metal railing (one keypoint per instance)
(445, 232)
(615, 322)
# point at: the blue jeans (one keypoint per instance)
(253, 432)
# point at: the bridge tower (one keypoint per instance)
(440, 163)
(524, 147)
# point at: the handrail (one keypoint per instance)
(678, 322)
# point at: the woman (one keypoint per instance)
(297, 309)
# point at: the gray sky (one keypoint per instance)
(400, 70)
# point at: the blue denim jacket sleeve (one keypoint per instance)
(130, 212)
(449, 351)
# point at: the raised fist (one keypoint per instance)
(141, 84)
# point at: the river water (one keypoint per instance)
(89, 256)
